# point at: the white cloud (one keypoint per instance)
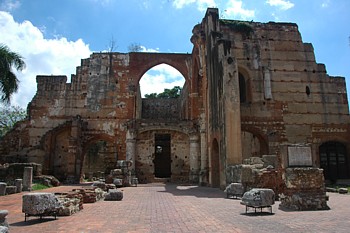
(144, 49)
(202, 5)
(282, 4)
(325, 3)
(234, 8)
(9, 5)
(160, 77)
(42, 56)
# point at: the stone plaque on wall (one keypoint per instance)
(299, 156)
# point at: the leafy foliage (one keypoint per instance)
(9, 116)
(166, 94)
(8, 80)
(134, 47)
(240, 26)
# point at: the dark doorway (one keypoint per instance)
(333, 160)
(215, 165)
(162, 160)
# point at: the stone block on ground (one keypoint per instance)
(2, 188)
(19, 186)
(70, 204)
(100, 184)
(259, 198)
(114, 195)
(3, 215)
(234, 189)
(4, 229)
(90, 195)
(11, 190)
(110, 186)
(343, 190)
(40, 204)
(118, 182)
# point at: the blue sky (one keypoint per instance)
(53, 35)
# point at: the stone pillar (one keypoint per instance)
(2, 188)
(27, 179)
(232, 113)
(131, 148)
(19, 186)
(203, 178)
(194, 158)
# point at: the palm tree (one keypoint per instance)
(8, 80)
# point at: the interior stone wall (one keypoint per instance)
(146, 154)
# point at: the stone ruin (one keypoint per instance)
(249, 88)
(68, 203)
(298, 188)
(18, 177)
(121, 175)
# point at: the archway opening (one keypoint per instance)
(100, 156)
(158, 78)
(162, 94)
(215, 165)
(334, 161)
(162, 158)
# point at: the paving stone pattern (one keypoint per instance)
(173, 208)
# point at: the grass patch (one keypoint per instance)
(36, 187)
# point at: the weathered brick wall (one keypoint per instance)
(179, 156)
(168, 109)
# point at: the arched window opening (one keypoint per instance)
(333, 160)
(242, 88)
(163, 94)
(159, 78)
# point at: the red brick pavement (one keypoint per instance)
(175, 208)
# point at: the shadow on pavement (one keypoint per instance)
(193, 190)
(33, 221)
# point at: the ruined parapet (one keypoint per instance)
(305, 189)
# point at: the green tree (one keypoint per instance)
(166, 94)
(9, 116)
(134, 47)
(8, 80)
(151, 96)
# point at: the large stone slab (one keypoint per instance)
(114, 195)
(40, 204)
(258, 198)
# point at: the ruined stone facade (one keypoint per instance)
(251, 89)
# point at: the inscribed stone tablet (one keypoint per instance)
(299, 156)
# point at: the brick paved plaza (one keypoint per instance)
(178, 208)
